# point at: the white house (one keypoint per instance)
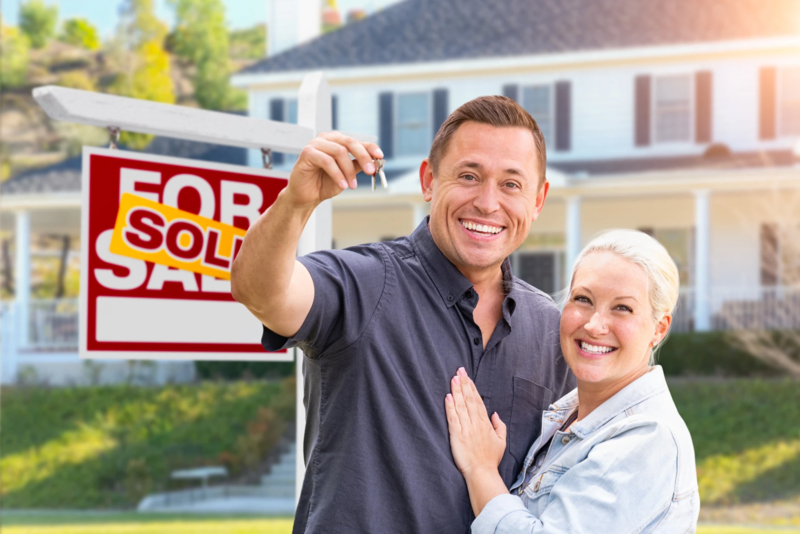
(679, 118)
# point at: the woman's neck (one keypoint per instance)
(592, 394)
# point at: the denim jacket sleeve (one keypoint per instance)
(625, 483)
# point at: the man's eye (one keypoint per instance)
(512, 185)
(469, 177)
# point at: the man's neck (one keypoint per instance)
(485, 280)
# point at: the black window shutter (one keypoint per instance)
(642, 111)
(563, 116)
(440, 109)
(334, 112)
(703, 107)
(767, 86)
(511, 91)
(276, 106)
(386, 126)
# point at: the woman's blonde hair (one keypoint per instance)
(643, 250)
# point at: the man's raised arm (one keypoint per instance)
(265, 276)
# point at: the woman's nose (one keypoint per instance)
(597, 324)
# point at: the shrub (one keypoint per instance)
(80, 32)
(709, 354)
(14, 59)
(38, 21)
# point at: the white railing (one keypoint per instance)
(743, 308)
(52, 324)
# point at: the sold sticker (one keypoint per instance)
(151, 231)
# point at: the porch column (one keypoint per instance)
(420, 212)
(572, 233)
(22, 275)
(702, 272)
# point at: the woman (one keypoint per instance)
(614, 455)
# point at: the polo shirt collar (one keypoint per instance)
(449, 281)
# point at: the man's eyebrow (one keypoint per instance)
(476, 165)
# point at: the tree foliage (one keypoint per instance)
(14, 58)
(201, 38)
(38, 21)
(248, 43)
(80, 32)
(147, 70)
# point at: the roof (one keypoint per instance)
(65, 177)
(438, 30)
(725, 161)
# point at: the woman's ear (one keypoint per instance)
(662, 327)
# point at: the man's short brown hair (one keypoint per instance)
(499, 111)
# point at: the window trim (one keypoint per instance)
(654, 79)
(396, 122)
(780, 133)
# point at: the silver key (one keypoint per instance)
(379, 164)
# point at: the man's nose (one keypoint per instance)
(487, 199)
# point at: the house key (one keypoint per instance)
(379, 163)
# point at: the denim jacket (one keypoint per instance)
(627, 467)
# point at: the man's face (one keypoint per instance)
(484, 196)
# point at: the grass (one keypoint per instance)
(117, 443)
(746, 436)
(133, 523)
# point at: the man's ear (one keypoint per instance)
(541, 196)
(426, 179)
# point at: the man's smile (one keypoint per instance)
(477, 228)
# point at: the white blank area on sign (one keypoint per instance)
(175, 321)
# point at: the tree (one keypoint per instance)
(201, 38)
(769, 327)
(38, 21)
(80, 32)
(14, 58)
(248, 43)
(146, 72)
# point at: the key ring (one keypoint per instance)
(379, 164)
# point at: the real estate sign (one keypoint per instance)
(158, 237)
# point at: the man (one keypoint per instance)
(385, 326)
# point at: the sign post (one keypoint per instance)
(158, 241)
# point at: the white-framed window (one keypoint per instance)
(538, 101)
(673, 108)
(789, 100)
(412, 124)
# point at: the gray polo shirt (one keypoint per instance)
(390, 324)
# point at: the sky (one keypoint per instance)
(103, 13)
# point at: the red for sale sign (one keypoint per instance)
(158, 238)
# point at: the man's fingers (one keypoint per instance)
(340, 153)
(453, 422)
(363, 153)
(329, 165)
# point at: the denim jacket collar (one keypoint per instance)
(644, 387)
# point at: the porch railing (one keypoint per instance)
(53, 324)
(753, 308)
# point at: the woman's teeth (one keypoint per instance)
(482, 228)
(595, 349)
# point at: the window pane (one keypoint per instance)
(678, 244)
(413, 128)
(673, 107)
(790, 101)
(536, 101)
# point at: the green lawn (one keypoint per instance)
(133, 523)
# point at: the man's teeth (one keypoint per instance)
(594, 349)
(483, 228)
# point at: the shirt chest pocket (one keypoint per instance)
(537, 493)
(530, 399)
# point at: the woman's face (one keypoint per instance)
(607, 326)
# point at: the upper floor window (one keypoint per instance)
(413, 130)
(672, 108)
(538, 101)
(789, 94)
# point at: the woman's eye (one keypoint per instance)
(581, 298)
(624, 308)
